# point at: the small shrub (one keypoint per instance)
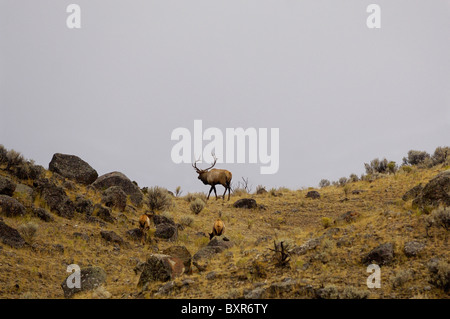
(158, 198)
(406, 169)
(415, 157)
(354, 293)
(260, 190)
(440, 274)
(440, 217)
(239, 191)
(186, 220)
(13, 159)
(324, 183)
(392, 167)
(197, 206)
(346, 190)
(342, 181)
(190, 197)
(377, 166)
(401, 278)
(440, 155)
(28, 231)
(326, 222)
(178, 191)
(3, 153)
(353, 178)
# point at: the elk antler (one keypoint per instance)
(194, 165)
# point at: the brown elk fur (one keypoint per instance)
(218, 229)
(144, 225)
(214, 177)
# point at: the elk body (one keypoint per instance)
(218, 229)
(214, 177)
(144, 225)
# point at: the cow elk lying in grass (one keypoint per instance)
(213, 177)
(218, 229)
(144, 225)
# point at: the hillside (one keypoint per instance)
(327, 249)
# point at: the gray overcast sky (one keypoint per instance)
(113, 91)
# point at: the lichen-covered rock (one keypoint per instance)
(11, 207)
(10, 236)
(90, 278)
(73, 167)
(436, 192)
(313, 195)
(182, 253)
(115, 197)
(160, 267)
(248, 203)
(120, 180)
(382, 255)
(7, 187)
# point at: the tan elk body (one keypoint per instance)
(218, 229)
(214, 177)
(144, 225)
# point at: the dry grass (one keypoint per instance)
(37, 270)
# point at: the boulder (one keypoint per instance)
(115, 197)
(43, 214)
(120, 180)
(134, 234)
(159, 267)
(26, 192)
(104, 213)
(248, 203)
(215, 246)
(309, 245)
(382, 255)
(159, 219)
(56, 198)
(11, 207)
(7, 187)
(166, 231)
(413, 248)
(112, 237)
(90, 278)
(413, 192)
(436, 192)
(313, 195)
(10, 236)
(182, 253)
(73, 167)
(83, 205)
(347, 217)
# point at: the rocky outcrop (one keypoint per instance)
(382, 255)
(248, 203)
(159, 267)
(56, 198)
(90, 279)
(115, 197)
(7, 187)
(436, 192)
(73, 167)
(313, 195)
(118, 179)
(10, 236)
(11, 207)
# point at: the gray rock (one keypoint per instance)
(115, 197)
(413, 248)
(313, 195)
(166, 231)
(119, 179)
(10, 236)
(257, 293)
(43, 214)
(159, 219)
(382, 255)
(134, 234)
(182, 253)
(73, 167)
(112, 237)
(91, 278)
(309, 245)
(413, 192)
(248, 203)
(56, 198)
(103, 213)
(436, 192)
(7, 187)
(83, 205)
(11, 207)
(159, 267)
(25, 191)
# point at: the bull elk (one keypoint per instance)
(218, 229)
(213, 177)
(144, 225)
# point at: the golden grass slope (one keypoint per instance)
(37, 271)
